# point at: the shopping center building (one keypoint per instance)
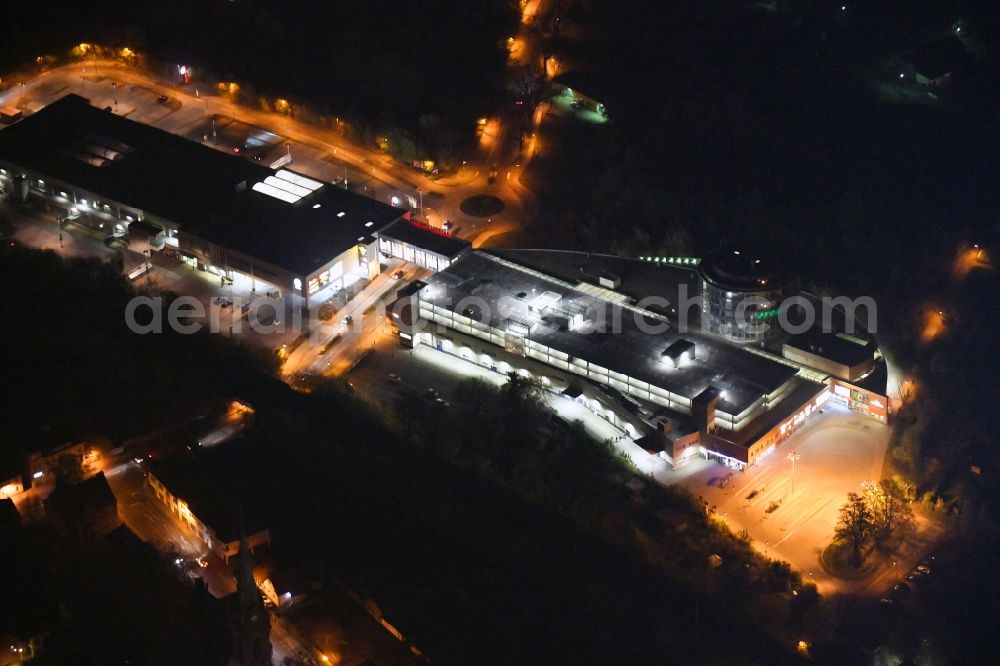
(581, 320)
(741, 291)
(214, 211)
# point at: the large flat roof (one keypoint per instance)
(221, 485)
(800, 392)
(508, 290)
(204, 191)
(639, 279)
(300, 237)
(840, 348)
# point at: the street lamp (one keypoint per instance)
(793, 456)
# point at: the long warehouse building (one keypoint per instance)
(216, 212)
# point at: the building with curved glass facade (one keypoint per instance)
(741, 295)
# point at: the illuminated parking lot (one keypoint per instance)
(836, 451)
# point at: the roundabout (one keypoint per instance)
(482, 205)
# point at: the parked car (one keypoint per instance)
(348, 320)
(394, 378)
(398, 275)
(162, 99)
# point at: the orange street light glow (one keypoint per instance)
(968, 259)
(935, 323)
(552, 67)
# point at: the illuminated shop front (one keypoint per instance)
(420, 244)
(860, 400)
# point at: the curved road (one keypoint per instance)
(93, 80)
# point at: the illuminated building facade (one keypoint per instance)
(741, 292)
(506, 316)
(210, 210)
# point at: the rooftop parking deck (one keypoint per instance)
(576, 326)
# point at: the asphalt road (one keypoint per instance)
(320, 355)
(316, 151)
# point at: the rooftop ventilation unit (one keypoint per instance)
(609, 280)
(544, 300)
(567, 314)
(518, 326)
(678, 352)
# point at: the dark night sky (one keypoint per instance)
(371, 56)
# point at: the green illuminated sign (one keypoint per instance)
(766, 314)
